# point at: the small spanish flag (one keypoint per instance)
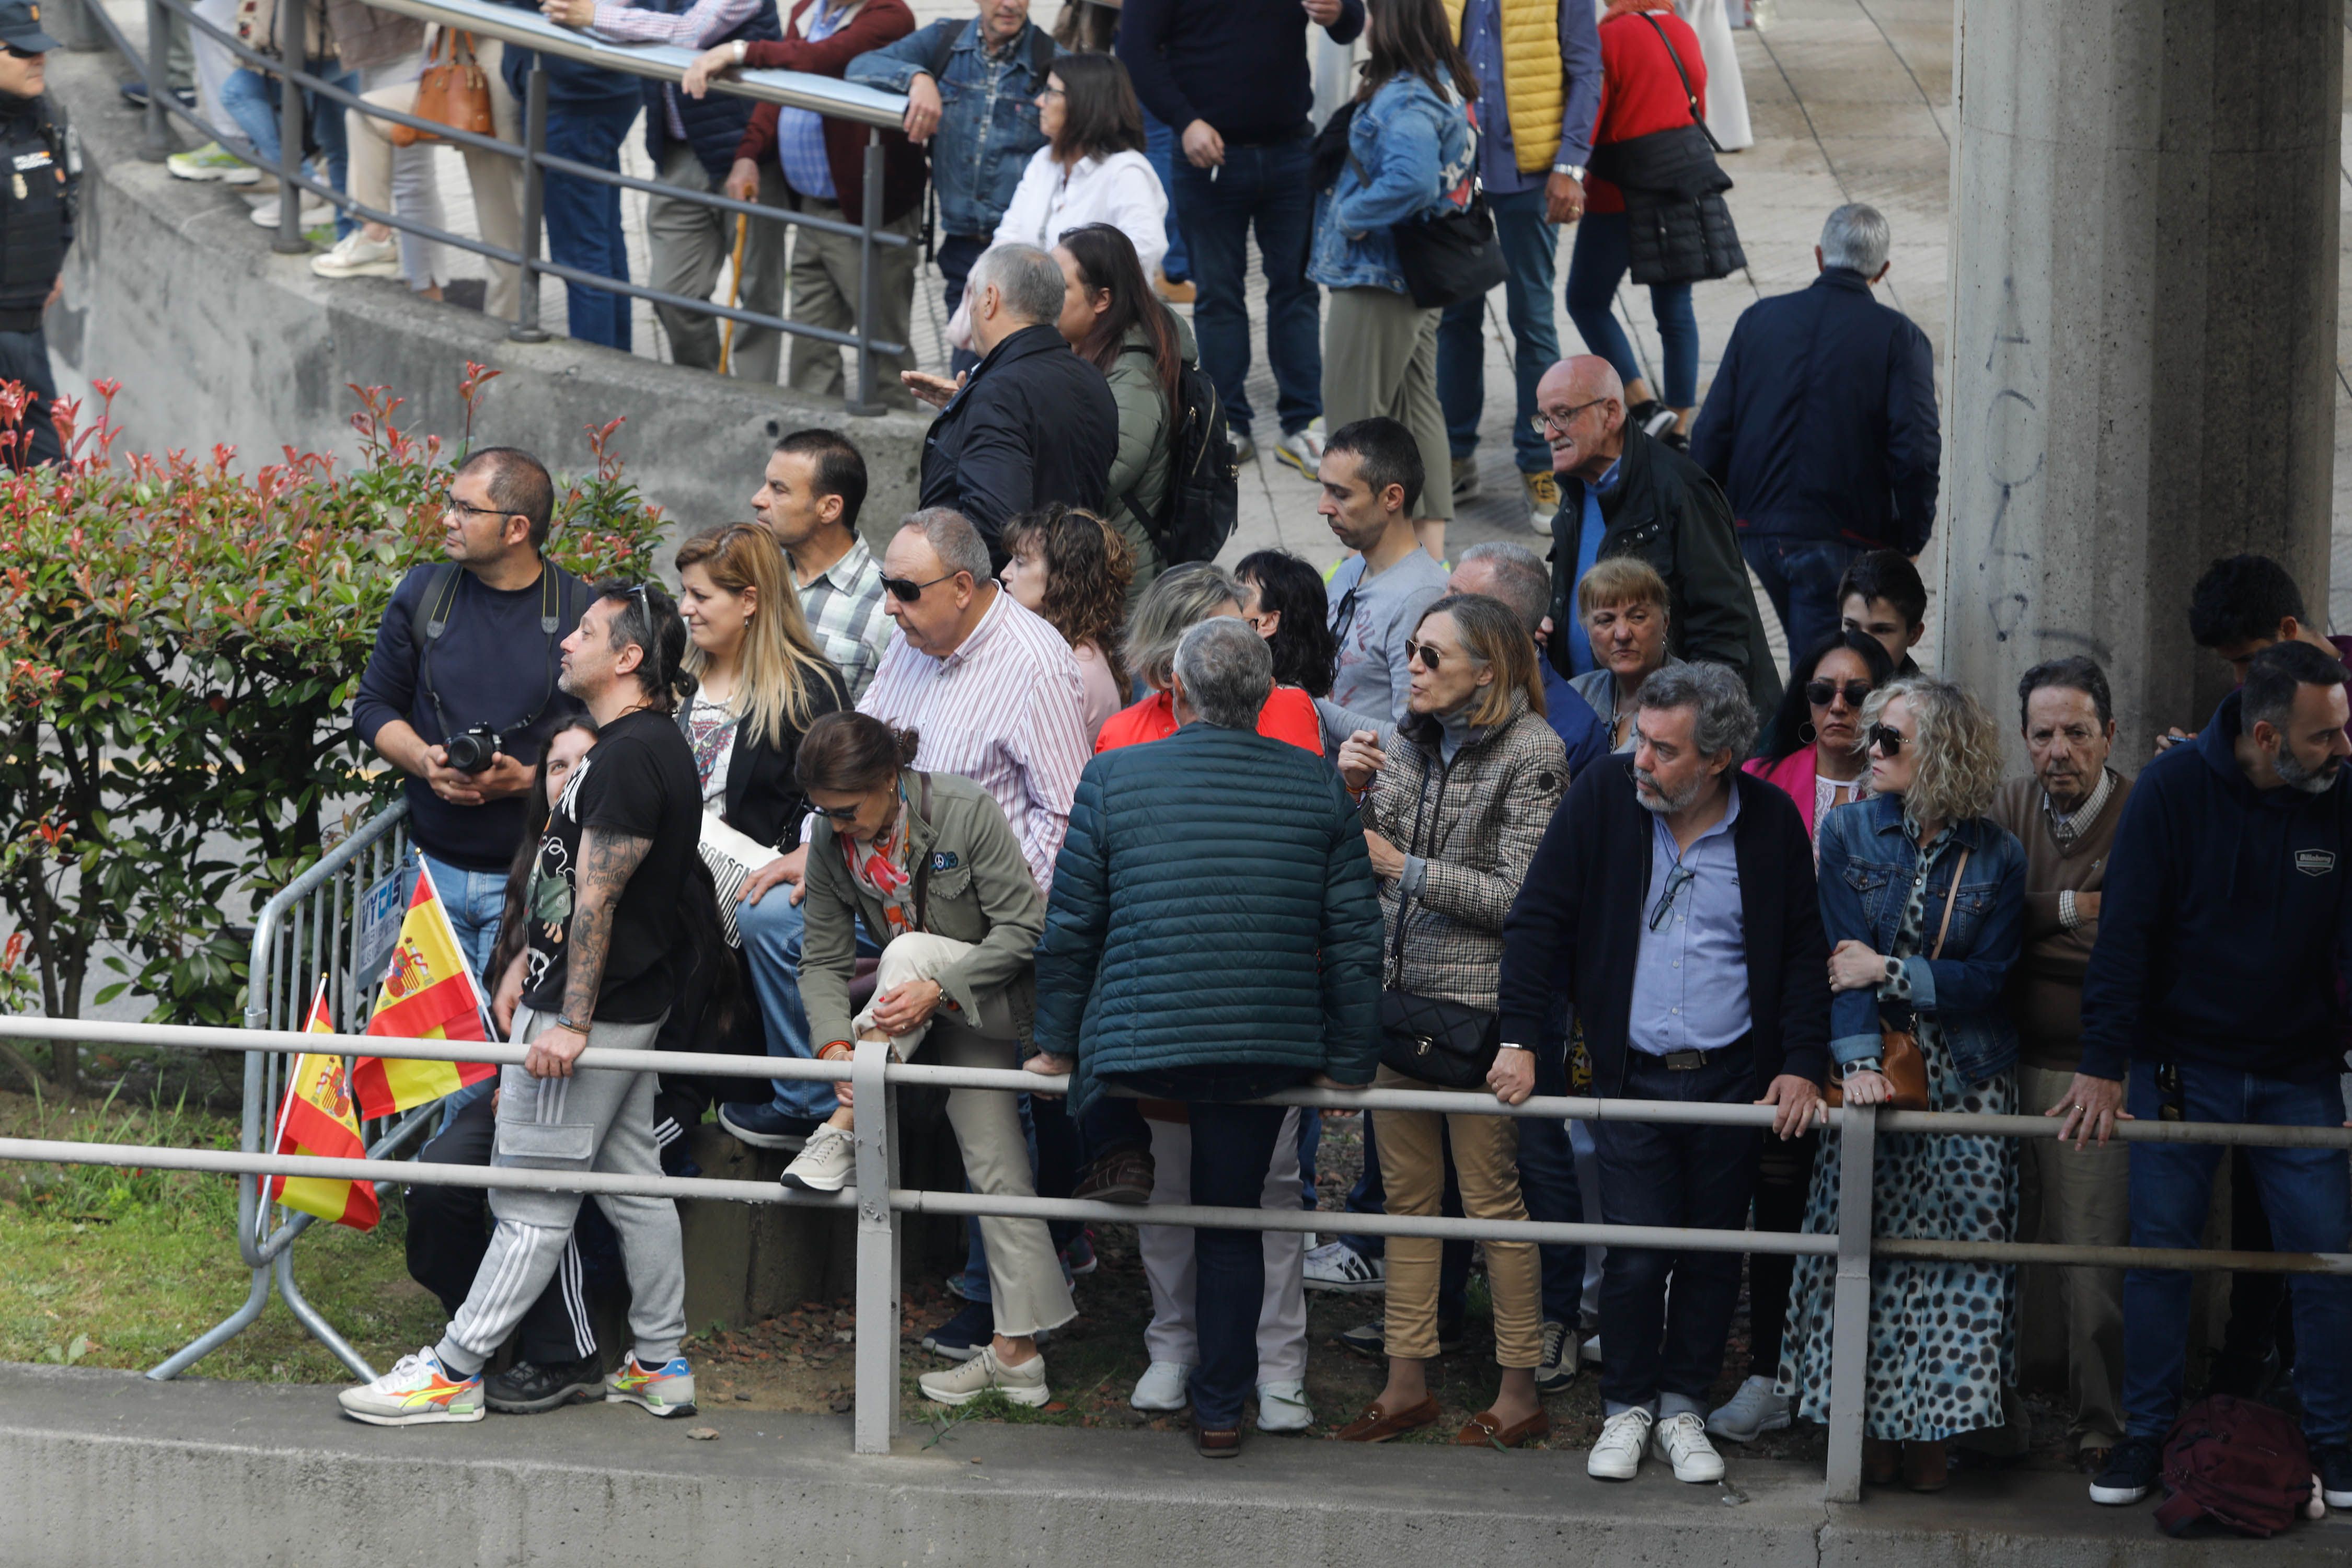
(428, 994)
(316, 1120)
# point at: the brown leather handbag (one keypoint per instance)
(454, 91)
(1900, 1061)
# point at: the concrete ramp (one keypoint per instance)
(104, 1469)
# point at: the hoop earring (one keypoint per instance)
(1806, 734)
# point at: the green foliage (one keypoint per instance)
(179, 648)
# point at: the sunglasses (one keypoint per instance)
(905, 590)
(834, 813)
(1886, 738)
(1430, 654)
(1822, 693)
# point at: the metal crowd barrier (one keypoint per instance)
(878, 112)
(878, 1200)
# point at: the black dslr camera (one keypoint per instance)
(473, 751)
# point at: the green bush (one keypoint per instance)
(179, 646)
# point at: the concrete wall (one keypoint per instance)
(173, 292)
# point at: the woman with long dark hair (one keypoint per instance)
(1411, 152)
(1815, 749)
(1283, 602)
(1114, 321)
(1092, 168)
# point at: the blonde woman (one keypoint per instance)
(1922, 898)
(1621, 605)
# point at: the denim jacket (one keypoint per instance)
(1867, 864)
(1409, 152)
(988, 116)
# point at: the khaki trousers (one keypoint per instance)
(496, 179)
(2080, 1199)
(1486, 1166)
(824, 280)
(690, 244)
(1379, 358)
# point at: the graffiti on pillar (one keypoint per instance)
(2014, 457)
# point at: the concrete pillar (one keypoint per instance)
(2141, 360)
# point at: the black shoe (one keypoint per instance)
(2335, 1467)
(763, 1126)
(1370, 1339)
(2254, 1378)
(2133, 1467)
(527, 1388)
(1651, 416)
(966, 1334)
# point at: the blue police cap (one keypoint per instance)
(20, 25)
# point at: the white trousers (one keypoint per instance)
(1167, 1260)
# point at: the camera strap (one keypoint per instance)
(436, 605)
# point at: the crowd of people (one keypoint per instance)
(1515, 828)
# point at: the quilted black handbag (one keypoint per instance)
(1427, 1037)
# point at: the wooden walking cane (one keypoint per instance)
(734, 291)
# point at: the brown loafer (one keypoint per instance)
(1881, 1461)
(1372, 1426)
(1482, 1431)
(1123, 1176)
(1926, 1466)
(1217, 1445)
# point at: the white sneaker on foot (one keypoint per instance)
(1282, 1406)
(313, 213)
(1161, 1386)
(357, 256)
(1681, 1441)
(1617, 1457)
(1751, 1413)
(1336, 1266)
(1023, 1385)
(1302, 449)
(826, 1162)
(414, 1393)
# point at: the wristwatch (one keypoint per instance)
(1573, 171)
(743, 47)
(1511, 1046)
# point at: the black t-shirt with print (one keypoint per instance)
(638, 782)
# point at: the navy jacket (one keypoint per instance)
(715, 122)
(2224, 925)
(1822, 420)
(1212, 906)
(568, 80)
(1241, 65)
(1573, 721)
(1576, 927)
(1035, 424)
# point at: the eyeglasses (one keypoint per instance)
(449, 501)
(1677, 879)
(1886, 738)
(905, 590)
(1432, 656)
(1822, 693)
(1544, 423)
(1052, 93)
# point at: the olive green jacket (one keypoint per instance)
(1139, 469)
(978, 889)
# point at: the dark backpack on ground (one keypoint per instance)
(2240, 1464)
(1204, 501)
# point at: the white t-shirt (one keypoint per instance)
(1120, 190)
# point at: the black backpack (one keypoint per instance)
(1204, 501)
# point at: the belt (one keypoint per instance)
(1691, 1061)
(21, 320)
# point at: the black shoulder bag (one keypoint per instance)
(1447, 259)
(1427, 1037)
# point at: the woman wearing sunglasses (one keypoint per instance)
(1923, 898)
(1815, 749)
(1459, 797)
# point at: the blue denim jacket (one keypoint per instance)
(1867, 864)
(988, 116)
(1409, 152)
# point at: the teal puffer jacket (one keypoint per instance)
(1212, 906)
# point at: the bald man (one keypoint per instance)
(1626, 493)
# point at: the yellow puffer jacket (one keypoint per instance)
(1533, 82)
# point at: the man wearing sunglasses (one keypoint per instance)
(43, 175)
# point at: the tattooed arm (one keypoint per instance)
(607, 861)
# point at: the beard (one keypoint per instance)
(1658, 800)
(2294, 771)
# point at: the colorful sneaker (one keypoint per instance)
(666, 1391)
(1302, 449)
(415, 1392)
(212, 162)
(825, 1164)
(1023, 1385)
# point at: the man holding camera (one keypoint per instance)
(461, 693)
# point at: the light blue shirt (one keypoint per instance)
(1690, 981)
(1588, 551)
(1482, 45)
(800, 133)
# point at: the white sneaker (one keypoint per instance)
(826, 1162)
(1336, 1266)
(1588, 1353)
(1023, 1385)
(313, 213)
(414, 1393)
(1751, 1413)
(1282, 1406)
(1244, 449)
(1161, 1386)
(1302, 449)
(1681, 1441)
(1617, 1457)
(357, 256)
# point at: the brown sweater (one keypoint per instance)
(2046, 988)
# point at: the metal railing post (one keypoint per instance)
(869, 291)
(290, 196)
(1850, 1305)
(156, 141)
(877, 1420)
(527, 328)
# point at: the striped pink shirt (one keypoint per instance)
(1005, 711)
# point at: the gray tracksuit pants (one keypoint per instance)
(592, 1120)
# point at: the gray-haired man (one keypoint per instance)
(1032, 423)
(1821, 427)
(1673, 901)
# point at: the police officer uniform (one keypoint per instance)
(40, 174)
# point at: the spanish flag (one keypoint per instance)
(316, 1120)
(428, 994)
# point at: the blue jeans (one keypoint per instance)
(1665, 1349)
(1548, 1185)
(1801, 577)
(1233, 1145)
(771, 934)
(1602, 255)
(253, 101)
(1267, 187)
(475, 901)
(584, 217)
(1160, 148)
(2308, 1197)
(1529, 248)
